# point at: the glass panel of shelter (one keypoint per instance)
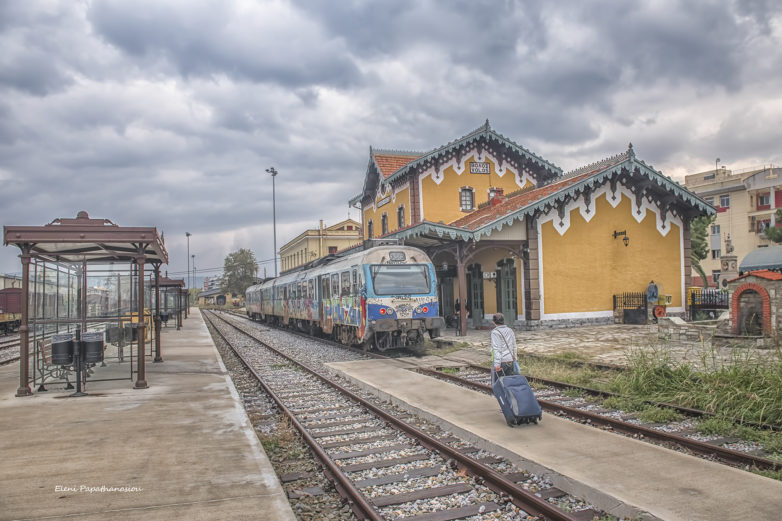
(78, 298)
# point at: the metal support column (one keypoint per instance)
(24, 339)
(158, 357)
(460, 273)
(141, 379)
(178, 309)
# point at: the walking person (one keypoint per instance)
(503, 349)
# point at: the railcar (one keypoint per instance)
(383, 297)
(10, 309)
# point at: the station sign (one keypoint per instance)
(384, 201)
(479, 167)
(489, 274)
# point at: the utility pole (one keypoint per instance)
(274, 172)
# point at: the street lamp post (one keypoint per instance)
(194, 271)
(273, 172)
(189, 284)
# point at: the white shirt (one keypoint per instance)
(502, 341)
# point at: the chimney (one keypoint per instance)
(496, 196)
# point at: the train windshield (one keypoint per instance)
(394, 279)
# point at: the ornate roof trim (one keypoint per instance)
(486, 132)
(600, 176)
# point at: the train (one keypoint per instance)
(10, 310)
(381, 298)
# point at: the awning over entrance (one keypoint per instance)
(768, 258)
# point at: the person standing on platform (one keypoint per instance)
(503, 348)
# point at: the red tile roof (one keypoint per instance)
(388, 163)
(763, 274)
(513, 203)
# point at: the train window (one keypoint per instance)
(345, 283)
(302, 290)
(310, 289)
(335, 285)
(355, 281)
(326, 287)
(394, 279)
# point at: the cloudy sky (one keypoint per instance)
(166, 113)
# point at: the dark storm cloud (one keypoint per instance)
(168, 113)
(210, 39)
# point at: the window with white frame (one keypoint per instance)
(384, 224)
(400, 217)
(467, 198)
(725, 201)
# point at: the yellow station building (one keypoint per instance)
(511, 232)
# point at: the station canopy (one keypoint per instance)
(767, 258)
(94, 240)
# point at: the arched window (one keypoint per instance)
(384, 224)
(370, 230)
(400, 216)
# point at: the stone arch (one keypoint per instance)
(735, 314)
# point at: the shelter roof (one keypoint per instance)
(166, 282)
(767, 258)
(96, 240)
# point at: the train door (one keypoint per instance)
(325, 299)
(475, 291)
(506, 290)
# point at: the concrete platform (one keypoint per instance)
(623, 476)
(181, 449)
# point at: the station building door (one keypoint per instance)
(446, 296)
(475, 292)
(507, 301)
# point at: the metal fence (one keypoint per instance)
(707, 305)
(632, 306)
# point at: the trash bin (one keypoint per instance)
(164, 318)
(131, 333)
(62, 349)
(112, 334)
(93, 347)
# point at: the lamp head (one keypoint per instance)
(272, 171)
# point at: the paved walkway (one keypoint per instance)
(620, 475)
(181, 449)
(608, 344)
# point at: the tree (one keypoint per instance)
(699, 244)
(773, 233)
(239, 272)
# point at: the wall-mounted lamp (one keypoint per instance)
(626, 239)
(525, 250)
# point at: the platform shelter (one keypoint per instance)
(173, 300)
(83, 275)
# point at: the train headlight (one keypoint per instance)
(425, 309)
(382, 311)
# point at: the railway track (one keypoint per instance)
(386, 464)
(675, 434)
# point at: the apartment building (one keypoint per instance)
(746, 201)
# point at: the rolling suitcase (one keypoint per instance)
(517, 402)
